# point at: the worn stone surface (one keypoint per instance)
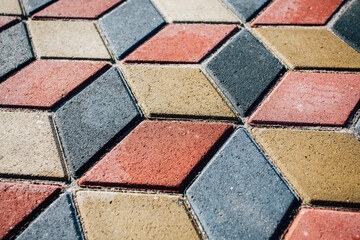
(67, 39)
(245, 9)
(320, 99)
(320, 165)
(176, 92)
(239, 195)
(129, 25)
(32, 6)
(112, 215)
(243, 70)
(28, 147)
(309, 48)
(93, 117)
(357, 126)
(10, 7)
(182, 43)
(6, 22)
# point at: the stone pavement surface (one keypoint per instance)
(179, 119)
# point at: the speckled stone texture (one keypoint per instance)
(32, 6)
(6, 22)
(246, 9)
(10, 7)
(357, 126)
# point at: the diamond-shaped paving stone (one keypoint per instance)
(6, 22)
(158, 155)
(19, 202)
(45, 83)
(129, 25)
(176, 92)
(28, 146)
(243, 70)
(89, 120)
(245, 9)
(113, 215)
(309, 48)
(322, 166)
(308, 98)
(59, 221)
(32, 6)
(239, 195)
(182, 43)
(295, 12)
(10, 7)
(67, 39)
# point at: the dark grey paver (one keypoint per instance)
(93, 117)
(357, 126)
(243, 70)
(130, 24)
(32, 6)
(245, 9)
(239, 195)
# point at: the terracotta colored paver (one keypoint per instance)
(112, 215)
(182, 43)
(6, 22)
(158, 155)
(319, 99)
(176, 92)
(10, 7)
(18, 201)
(321, 165)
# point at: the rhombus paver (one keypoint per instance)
(6, 22)
(246, 9)
(239, 195)
(32, 6)
(10, 7)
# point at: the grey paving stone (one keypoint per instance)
(130, 24)
(357, 126)
(245, 9)
(89, 120)
(239, 195)
(15, 48)
(32, 6)
(244, 69)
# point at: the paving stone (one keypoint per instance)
(195, 11)
(114, 215)
(28, 146)
(357, 126)
(45, 83)
(309, 48)
(32, 6)
(309, 98)
(347, 25)
(245, 9)
(129, 25)
(176, 92)
(239, 195)
(322, 166)
(89, 120)
(182, 43)
(58, 221)
(15, 48)
(243, 70)
(6, 22)
(67, 39)
(158, 155)
(19, 202)
(10, 7)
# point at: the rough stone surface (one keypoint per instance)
(112, 215)
(67, 39)
(28, 147)
(93, 117)
(32, 6)
(182, 43)
(44, 83)
(10, 7)
(129, 25)
(320, 165)
(245, 9)
(243, 70)
(357, 126)
(6, 22)
(158, 154)
(309, 48)
(319, 99)
(239, 195)
(176, 92)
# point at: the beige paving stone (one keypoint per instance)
(114, 215)
(67, 39)
(10, 7)
(309, 48)
(175, 92)
(195, 11)
(28, 147)
(324, 167)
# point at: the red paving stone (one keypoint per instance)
(157, 155)
(182, 43)
(304, 98)
(298, 12)
(18, 201)
(44, 83)
(316, 224)
(5, 21)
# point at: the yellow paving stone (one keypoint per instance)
(28, 146)
(10, 7)
(175, 92)
(67, 39)
(114, 215)
(309, 48)
(324, 167)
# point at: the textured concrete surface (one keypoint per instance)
(10, 7)
(357, 126)
(6, 22)
(32, 6)
(245, 9)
